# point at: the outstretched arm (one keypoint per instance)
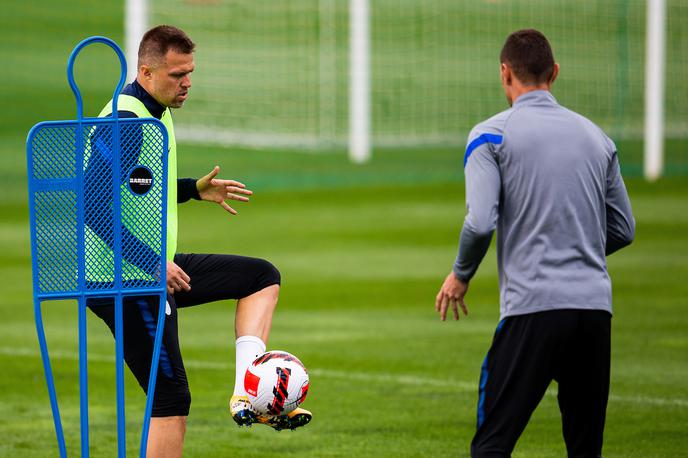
(213, 189)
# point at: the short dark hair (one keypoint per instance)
(158, 40)
(529, 55)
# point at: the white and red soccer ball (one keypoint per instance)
(276, 383)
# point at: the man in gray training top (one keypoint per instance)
(549, 181)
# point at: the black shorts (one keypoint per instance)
(571, 347)
(213, 278)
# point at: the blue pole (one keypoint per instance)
(83, 378)
(49, 378)
(153, 374)
(119, 376)
(160, 328)
(119, 349)
(70, 72)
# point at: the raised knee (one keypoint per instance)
(266, 274)
(271, 274)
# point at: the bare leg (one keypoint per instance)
(254, 313)
(166, 437)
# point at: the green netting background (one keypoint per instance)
(275, 74)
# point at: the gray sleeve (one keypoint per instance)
(483, 186)
(620, 221)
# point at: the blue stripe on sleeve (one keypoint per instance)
(481, 140)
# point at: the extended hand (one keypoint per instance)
(216, 190)
(452, 292)
(177, 280)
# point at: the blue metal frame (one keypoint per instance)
(82, 293)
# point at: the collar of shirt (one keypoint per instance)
(534, 97)
(136, 90)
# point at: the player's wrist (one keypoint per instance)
(461, 276)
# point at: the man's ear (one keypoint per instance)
(145, 71)
(555, 73)
(505, 72)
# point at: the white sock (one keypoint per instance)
(248, 348)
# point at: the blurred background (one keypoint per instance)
(362, 248)
(282, 75)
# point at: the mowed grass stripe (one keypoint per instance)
(401, 379)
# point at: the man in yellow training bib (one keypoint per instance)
(165, 64)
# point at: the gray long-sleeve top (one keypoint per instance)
(549, 181)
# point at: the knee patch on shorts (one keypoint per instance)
(271, 274)
(266, 275)
(172, 404)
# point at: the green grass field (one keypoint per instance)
(361, 264)
(362, 251)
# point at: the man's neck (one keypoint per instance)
(143, 84)
(517, 89)
(136, 89)
(518, 92)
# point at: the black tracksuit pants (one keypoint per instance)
(571, 347)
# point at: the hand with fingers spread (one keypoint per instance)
(214, 189)
(177, 279)
(452, 293)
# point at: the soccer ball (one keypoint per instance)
(276, 383)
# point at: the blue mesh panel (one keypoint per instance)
(142, 214)
(62, 179)
(99, 222)
(54, 153)
(56, 241)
